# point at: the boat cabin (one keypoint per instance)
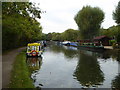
(34, 49)
(102, 40)
(82, 42)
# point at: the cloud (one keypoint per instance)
(60, 14)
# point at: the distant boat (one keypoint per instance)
(74, 44)
(66, 43)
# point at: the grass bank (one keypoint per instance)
(20, 75)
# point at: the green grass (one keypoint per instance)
(20, 75)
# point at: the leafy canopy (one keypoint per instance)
(89, 20)
(116, 14)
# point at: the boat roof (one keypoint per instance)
(101, 37)
(33, 44)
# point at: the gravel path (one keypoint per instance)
(7, 63)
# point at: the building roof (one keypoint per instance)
(101, 37)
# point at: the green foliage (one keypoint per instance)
(19, 25)
(112, 42)
(49, 36)
(56, 36)
(116, 17)
(89, 21)
(118, 34)
(71, 35)
(113, 32)
(43, 37)
(22, 8)
(116, 14)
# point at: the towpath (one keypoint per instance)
(7, 64)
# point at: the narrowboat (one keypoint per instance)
(34, 50)
(67, 43)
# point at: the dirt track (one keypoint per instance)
(7, 63)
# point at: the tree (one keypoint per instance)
(89, 20)
(49, 36)
(19, 24)
(56, 36)
(71, 35)
(116, 17)
(110, 32)
(116, 14)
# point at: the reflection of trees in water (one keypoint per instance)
(34, 63)
(68, 51)
(114, 54)
(116, 82)
(56, 49)
(88, 71)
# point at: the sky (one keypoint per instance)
(60, 14)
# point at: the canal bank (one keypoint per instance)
(7, 65)
(20, 75)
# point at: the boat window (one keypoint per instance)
(33, 47)
(38, 48)
(28, 48)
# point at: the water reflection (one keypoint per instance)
(69, 51)
(114, 54)
(88, 71)
(84, 68)
(116, 80)
(34, 63)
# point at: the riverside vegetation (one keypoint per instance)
(20, 26)
(20, 75)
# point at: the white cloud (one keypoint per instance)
(60, 14)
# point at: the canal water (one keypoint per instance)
(69, 67)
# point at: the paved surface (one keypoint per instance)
(7, 63)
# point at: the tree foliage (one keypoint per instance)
(89, 20)
(116, 14)
(113, 32)
(19, 24)
(71, 35)
(56, 36)
(116, 17)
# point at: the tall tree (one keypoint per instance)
(89, 20)
(116, 17)
(116, 14)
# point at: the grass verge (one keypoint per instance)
(20, 76)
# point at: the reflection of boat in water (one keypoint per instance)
(70, 48)
(34, 63)
(92, 48)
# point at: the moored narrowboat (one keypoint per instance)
(34, 50)
(67, 43)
